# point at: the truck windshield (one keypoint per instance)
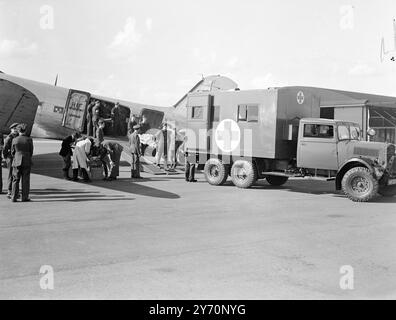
(348, 132)
(355, 132)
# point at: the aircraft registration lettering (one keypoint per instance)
(59, 109)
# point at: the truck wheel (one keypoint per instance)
(359, 185)
(243, 174)
(276, 180)
(215, 172)
(387, 191)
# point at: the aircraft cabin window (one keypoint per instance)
(197, 113)
(248, 113)
(318, 131)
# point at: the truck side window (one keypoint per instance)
(248, 113)
(216, 113)
(242, 112)
(318, 131)
(252, 113)
(196, 112)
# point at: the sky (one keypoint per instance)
(154, 51)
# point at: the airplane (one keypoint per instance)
(54, 112)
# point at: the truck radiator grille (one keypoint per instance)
(366, 152)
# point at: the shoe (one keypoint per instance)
(13, 200)
(110, 179)
(193, 180)
(105, 179)
(8, 196)
(26, 200)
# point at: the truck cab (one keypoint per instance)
(334, 149)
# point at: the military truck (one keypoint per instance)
(267, 137)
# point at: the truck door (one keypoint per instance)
(317, 148)
(199, 121)
(75, 110)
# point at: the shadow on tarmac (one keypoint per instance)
(310, 187)
(50, 165)
(72, 195)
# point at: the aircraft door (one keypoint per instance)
(75, 110)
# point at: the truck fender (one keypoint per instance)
(351, 163)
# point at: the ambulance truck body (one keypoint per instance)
(276, 134)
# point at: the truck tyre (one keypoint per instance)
(215, 172)
(276, 180)
(387, 191)
(243, 174)
(359, 185)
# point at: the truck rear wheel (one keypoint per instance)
(276, 180)
(215, 172)
(359, 185)
(387, 191)
(243, 174)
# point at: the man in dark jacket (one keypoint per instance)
(115, 150)
(134, 146)
(118, 120)
(1, 162)
(89, 119)
(22, 151)
(66, 153)
(96, 115)
(8, 155)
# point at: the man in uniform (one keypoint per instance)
(22, 151)
(96, 114)
(89, 119)
(133, 122)
(1, 162)
(115, 150)
(8, 155)
(134, 145)
(66, 153)
(118, 120)
(100, 131)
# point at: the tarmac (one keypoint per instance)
(164, 238)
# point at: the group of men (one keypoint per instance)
(95, 115)
(17, 150)
(83, 149)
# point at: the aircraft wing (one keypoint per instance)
(16, 105)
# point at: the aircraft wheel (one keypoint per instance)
(359, 185)
(216, 172)
(243, 174)
(276, 180)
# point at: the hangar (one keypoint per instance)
(369, 110)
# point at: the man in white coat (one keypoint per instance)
(80, 158)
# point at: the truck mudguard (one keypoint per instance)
(351, 163)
